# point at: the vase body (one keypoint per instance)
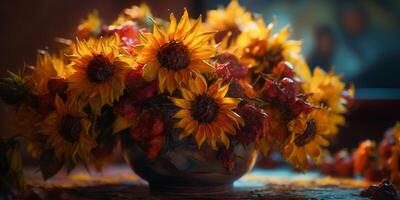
(184, 168)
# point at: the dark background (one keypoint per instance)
(357, 39)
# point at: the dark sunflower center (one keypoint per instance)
(204, 109)
(99, 69)
(174, 56)
(70, 128)
(308, 135)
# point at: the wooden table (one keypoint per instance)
(119, 182)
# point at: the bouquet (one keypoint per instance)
(231, 80)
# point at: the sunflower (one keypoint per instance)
(207, 114)
(231, 19)
(67, 129)
(263, 51)
(141, 12)
(327, 90)
(90, 26)
(99, 72)
(177, 57)
(48, 70)
(306, 139)
(138, 14)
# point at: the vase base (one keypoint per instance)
(189, 190)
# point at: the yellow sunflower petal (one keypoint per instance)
(183, 103)
(200, 135)
(224, 139)
(201, 66)
(150, 70)
(182, 113)
(172, 27)
(182, 26)
(158, 34)
(187, 94)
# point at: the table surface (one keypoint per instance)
(119, 182)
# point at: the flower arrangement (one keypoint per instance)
(231, 80)
(374, 162)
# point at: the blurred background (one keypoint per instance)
(357, 39)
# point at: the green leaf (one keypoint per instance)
(49, 164)
(12, 90)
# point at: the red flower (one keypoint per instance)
(299, 105)
(127, 110)
(128, 33)
(256, 124)
(58, 86)
(134, 79)
(139, 89)
(55, 86)
(343, 164)
(223, 72)
(283, 69)
(285, 93)
(327, 166)
(149, 132)
(228, 67)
